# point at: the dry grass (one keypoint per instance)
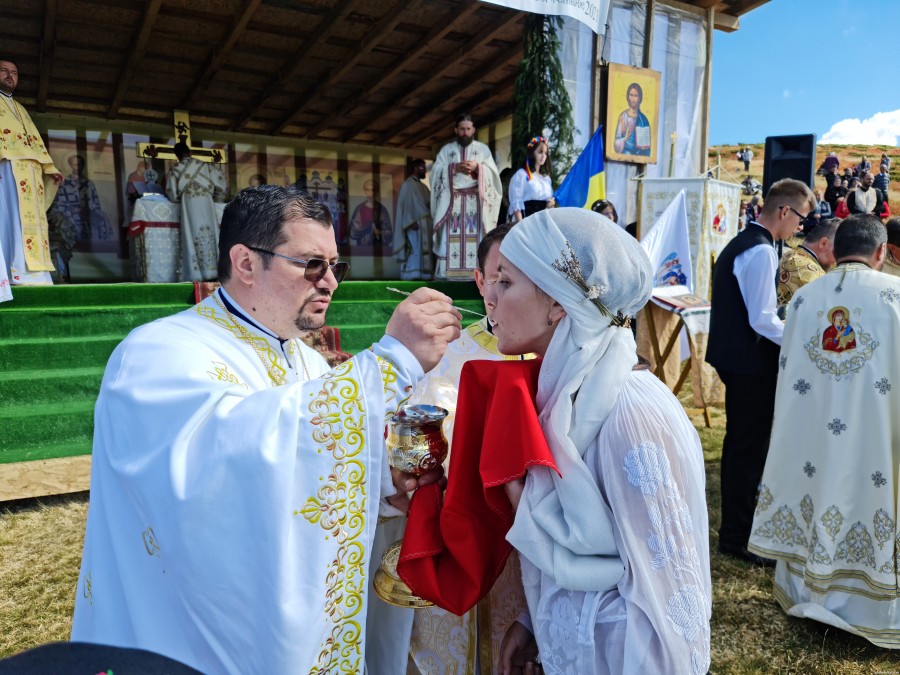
(40, 549)
(40, 555)
(849, 155)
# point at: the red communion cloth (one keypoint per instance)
(455, 544)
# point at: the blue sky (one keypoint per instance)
(828, 67)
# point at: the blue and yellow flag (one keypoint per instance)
(586, 182)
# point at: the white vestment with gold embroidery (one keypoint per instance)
(827, 506)
(231, 520)
(464, 208)
(433, 641)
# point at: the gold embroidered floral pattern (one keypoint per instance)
(832, 519)
(339, 507)
(258, 343)
(806, 509)
(150, 542)
(394, 398)
(783, 529)
(764, 500)
(857, 547)
(883, 527)
(816, 551)
(88, 589)
(221, 373)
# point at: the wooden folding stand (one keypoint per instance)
(660, 357)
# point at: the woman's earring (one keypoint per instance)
(550, 322)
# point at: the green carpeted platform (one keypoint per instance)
(55, 341)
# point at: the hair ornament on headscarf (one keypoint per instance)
(570, 266)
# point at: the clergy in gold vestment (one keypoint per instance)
(808, 260)
(28, 181)
(431, 640)
(827, 507)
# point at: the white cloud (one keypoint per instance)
(786, 93)
(880, 129)
(849, 31)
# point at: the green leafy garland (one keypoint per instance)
(541, 99)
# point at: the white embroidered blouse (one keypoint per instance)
(648, 463)
(522, 190)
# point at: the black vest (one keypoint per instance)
(733, 345)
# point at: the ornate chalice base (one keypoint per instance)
(415, 444)
(390, 587)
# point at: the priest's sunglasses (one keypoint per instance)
(314, 269)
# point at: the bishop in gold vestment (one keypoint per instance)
(28, 182)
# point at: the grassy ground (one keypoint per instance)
(40, 548)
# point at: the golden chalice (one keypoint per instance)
(415, 444)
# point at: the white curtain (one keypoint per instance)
(679, 54)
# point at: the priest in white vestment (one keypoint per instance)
(827, 507)
(465, 201)
(236, 480)
(197, 185)
(414, 227)
(431, 640)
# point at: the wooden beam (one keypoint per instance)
(724, 22)
(48, 43)
(42, 477)
(475, 77)
(220, 53)
(485, 35)
(296, 62)
(135, 56)
(706, 94)
(741, 7)
(498, 91)
(383, 28)
(444, 26)
(647, 57)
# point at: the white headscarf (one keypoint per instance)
(580, 259)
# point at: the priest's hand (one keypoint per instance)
(518, 651)
(407, 483)
(57, 177)
(425, 323)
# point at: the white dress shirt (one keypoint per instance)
(755, 270)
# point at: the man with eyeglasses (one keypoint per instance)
(744, 340)
(28, 180)
(237, 481)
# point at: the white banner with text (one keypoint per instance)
(592, 13)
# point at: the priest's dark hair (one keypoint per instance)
(495, 236)
(893, 231)
(859, 236)
(256, 217)
(824, 228)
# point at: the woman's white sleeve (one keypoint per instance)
(517, 192)
(652, 474)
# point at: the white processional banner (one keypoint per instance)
(592, 13)
(712, 208)
(669, 248)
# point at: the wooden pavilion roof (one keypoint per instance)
(376, 72)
